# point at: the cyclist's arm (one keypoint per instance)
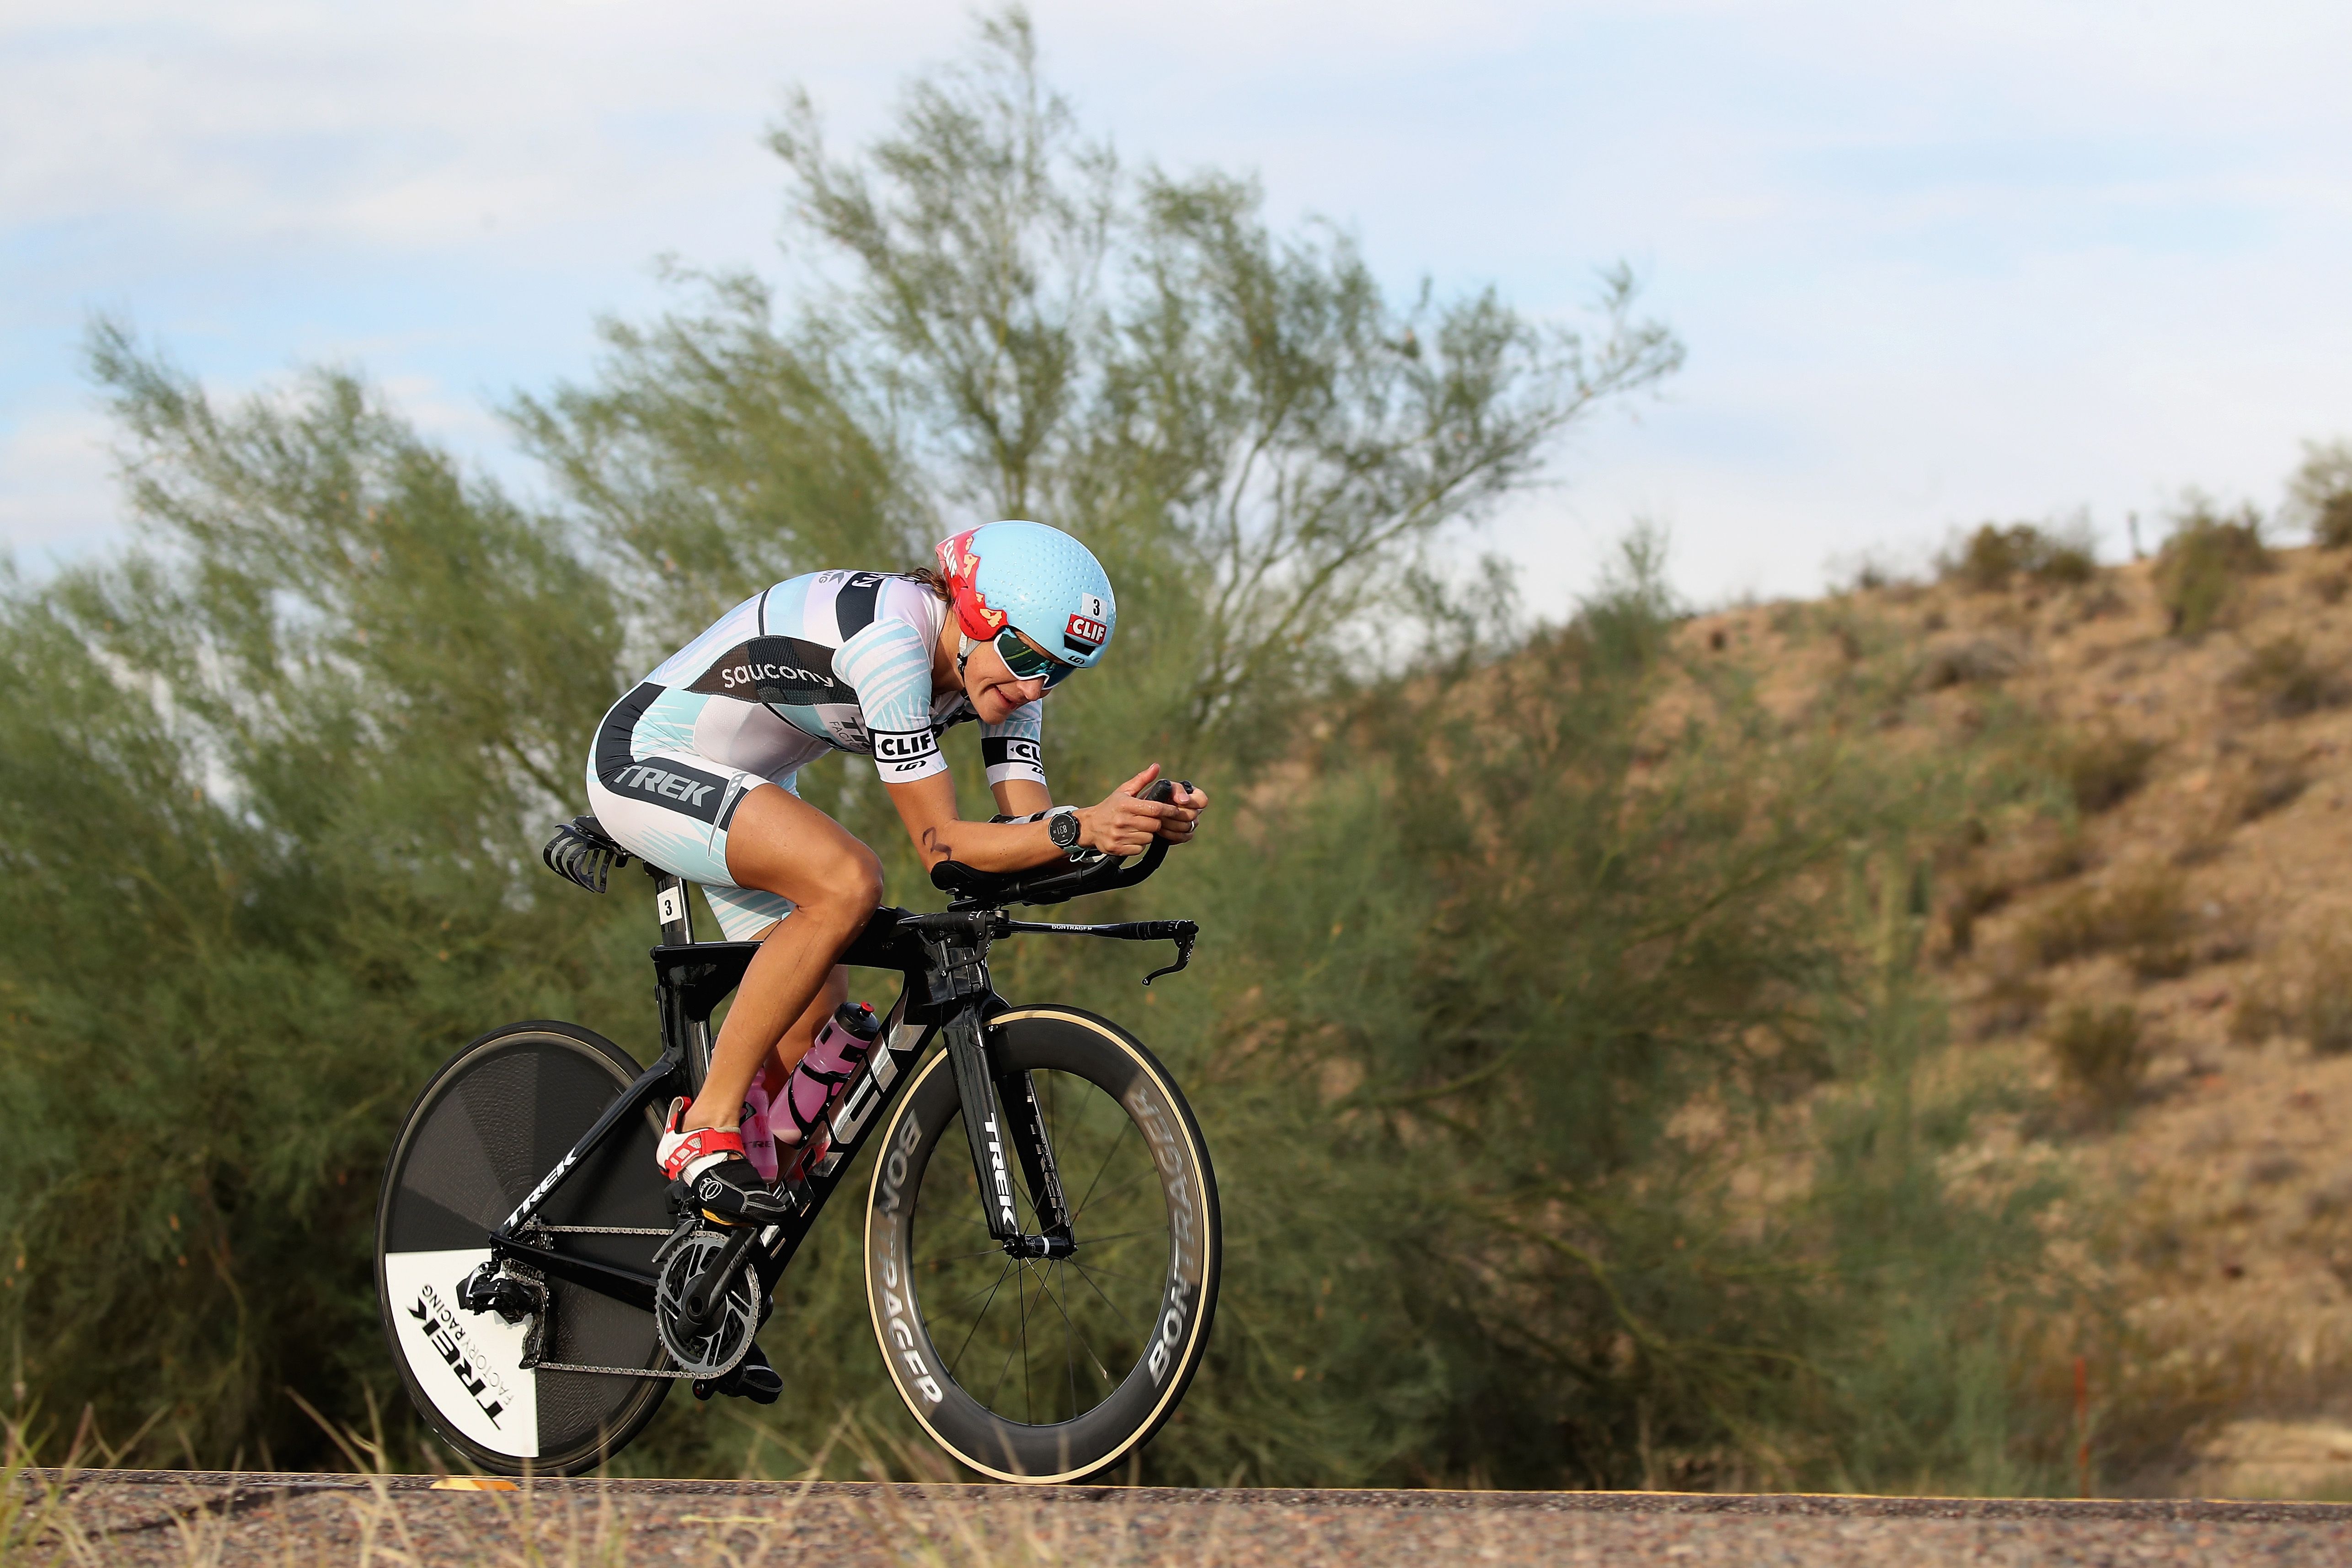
(1021, 797)
(1013, 751)
(1121, 825)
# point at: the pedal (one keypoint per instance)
(754, 1379)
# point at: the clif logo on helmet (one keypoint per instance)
(1039, 580)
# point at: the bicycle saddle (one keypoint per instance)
(584, 853)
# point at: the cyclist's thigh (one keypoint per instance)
(781, 844)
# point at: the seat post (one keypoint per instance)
(675, 905)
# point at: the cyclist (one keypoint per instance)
(694, 771)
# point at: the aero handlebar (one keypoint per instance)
(970, 889)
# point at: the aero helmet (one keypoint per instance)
(1039, 580)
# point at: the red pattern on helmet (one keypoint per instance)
(961, 566)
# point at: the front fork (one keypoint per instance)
(1004, 1125)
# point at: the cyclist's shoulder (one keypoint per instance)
(841, 603)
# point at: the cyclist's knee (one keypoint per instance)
(851, 889)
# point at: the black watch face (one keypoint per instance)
(1064, 829)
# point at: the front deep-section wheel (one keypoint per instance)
(493, 1122)
(1046, 1368)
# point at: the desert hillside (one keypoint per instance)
(2166, 957)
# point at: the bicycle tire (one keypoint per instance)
(485, 1129)
(1134, 1336)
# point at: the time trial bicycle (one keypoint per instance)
(1041, 1240)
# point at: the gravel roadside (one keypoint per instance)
(191, 1518)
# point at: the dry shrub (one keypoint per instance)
(2011, 1003)
(1988, 558)
(2331, 587)
(1968, 661)
(2145, 917)
(2196, 571)
(1974, 899)
(2282, 676)
(2265, 1009)
(2311, 1000)
(2332, 528)
(2099, 1051)
(2102, 770)
(2321, 491)
(2269, 784)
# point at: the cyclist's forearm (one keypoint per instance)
(1021, 797)
(927, 807)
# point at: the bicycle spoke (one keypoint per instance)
(1117, 1143)
(1115, 1273)
(1010, 1352)
(1070, 1327)
(957, 1359)
(1093, 1241)
(1028, 1408)
(954, 1258)
(1097, 1289)
(1129, 1184)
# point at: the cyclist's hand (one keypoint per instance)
(1189, 801)
(1126, 825)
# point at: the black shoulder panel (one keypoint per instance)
(852, 607)
(775, 670)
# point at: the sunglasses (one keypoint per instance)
(1027, 663)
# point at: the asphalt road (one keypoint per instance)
(189, 1518)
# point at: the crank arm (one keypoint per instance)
(711, 1287)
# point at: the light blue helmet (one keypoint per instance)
(1039, 580)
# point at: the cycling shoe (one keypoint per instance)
(731, 1193)
(752, 1379)
(709, 1172)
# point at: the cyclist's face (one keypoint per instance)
(994, 690)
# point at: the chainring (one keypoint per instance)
(720, 1348)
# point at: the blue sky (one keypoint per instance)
(1934, 263)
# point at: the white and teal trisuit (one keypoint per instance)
(834, 661)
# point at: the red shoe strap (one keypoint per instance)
(702, 1141)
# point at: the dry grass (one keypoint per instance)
(2098, 1048)
(2104, 769)
(2309, 1000)
(2145, 916)
(2284, 677)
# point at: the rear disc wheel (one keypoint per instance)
(493, 1122)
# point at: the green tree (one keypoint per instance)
(994, 318)
(1508, 986)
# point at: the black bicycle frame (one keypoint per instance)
(942, 959)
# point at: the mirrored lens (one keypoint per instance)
(1026, 662)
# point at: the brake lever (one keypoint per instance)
(1183, 932)
(1183, 940)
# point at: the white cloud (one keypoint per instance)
(1934, 262)
(57, 500)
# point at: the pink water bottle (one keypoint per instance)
(759, 1134)
(834, 1054)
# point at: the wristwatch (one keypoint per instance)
(1062, 824)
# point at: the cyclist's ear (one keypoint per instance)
(1139, 783)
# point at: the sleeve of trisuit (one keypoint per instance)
(890, 669)
(1013, 750)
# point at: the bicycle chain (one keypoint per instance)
(611, 1371)
(597, 1229)
(604, 1371)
